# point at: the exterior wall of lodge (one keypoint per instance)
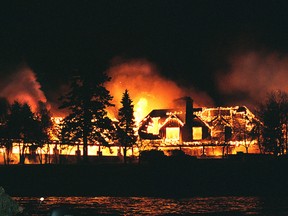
(68, 154)
(163, 130)
(208, 130)
(211, 151)
(52, 153)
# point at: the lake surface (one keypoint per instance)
(156, 206)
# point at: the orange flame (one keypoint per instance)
(147, 88)
(140, 109)
(23, 87)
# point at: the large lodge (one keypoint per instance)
(201, 132)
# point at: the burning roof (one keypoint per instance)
(212, 121)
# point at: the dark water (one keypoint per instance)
(157, 206)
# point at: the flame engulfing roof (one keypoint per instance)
(239, 118)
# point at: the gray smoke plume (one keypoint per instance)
(251, 76)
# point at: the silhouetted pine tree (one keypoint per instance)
(4, 110)
(45, 125)
(22, 127)
(87, 122)
(4, 141)
(273, 113)
(125, 130)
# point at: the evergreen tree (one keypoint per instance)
(87, 122)
(23, 127)
(273, 114)
(43, 133)
(20, 124)
(4, 141)
(4, 110)
(45, 122)
(125, 130)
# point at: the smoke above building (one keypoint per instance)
(21, 85)
(147, 88)
(247, 81)
(251, 76)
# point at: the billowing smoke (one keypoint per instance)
(147, 88)
(252, 75)
(22, 86)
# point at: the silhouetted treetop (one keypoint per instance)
(87, 100)
(125, 130)
(273, 113)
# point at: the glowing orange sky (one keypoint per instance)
(147, 88)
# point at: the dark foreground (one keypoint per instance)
(174, 178)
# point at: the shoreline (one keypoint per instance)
(175, 178)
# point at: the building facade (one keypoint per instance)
(202, 131)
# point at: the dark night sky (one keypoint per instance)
(190, 41)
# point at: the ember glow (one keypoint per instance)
(147, 88)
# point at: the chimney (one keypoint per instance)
(187, 128)
(189, 111)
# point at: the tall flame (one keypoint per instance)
(147, 88)
(140, 109)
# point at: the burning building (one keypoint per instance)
(201, 131)
(196, 131)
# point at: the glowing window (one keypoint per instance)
(197, 133)
(172, 133)
(154, 126)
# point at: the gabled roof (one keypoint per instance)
(159, 112)
(172, 120)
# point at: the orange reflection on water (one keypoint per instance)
(149, 205)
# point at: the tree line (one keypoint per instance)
(273, 131)
(87, 121)
(87, 101)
